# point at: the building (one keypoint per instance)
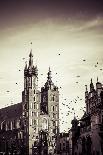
(64, 144)
(87, 133)
(32, 126)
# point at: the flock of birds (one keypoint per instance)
(69, 104)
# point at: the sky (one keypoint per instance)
(63, 34)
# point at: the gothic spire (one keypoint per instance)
(86, 88)
(31, 59)
(25, 65)
(91, 86)
(49, 75)
(97, 79)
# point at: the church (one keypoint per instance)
(31, 127)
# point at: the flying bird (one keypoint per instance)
(84, 60)
(7, 91)
(78, 76)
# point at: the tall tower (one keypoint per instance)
(31, 105)
(50, 107)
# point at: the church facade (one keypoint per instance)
(32, 126)
(87, 133)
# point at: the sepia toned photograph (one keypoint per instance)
(51, 77)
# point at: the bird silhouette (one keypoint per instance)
(7, 91)
(78, 76)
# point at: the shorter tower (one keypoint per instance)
(50, 107)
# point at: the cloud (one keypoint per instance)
(87, 25)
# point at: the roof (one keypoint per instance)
(10, 112)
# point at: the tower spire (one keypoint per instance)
(86, 88)
(49, 75)
(31, 59)
(91, 86)
(25, 65)
(97, 79)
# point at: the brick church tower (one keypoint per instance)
(31, 105)
(50, 107)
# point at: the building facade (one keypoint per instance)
(32, 126)
(87, 133)
(64, 147)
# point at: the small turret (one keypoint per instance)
(98, 85)
(26, 65)
(86, 91)
(91, 86)
(49, 84)
(49, 75)
(74, 123)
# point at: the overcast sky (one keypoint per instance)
(73, 29)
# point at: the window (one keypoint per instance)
(37, 106)
(18, 124)
(53, 115)
(37, 122)
(56, 130)
(53, 123)
(6, 126)
(56, 123)
(31, 106)
(14, 124)
(34, 98)
(53, 108)
(34, 105)
(34, 91)
(56, 116)
(34, 122)
(56, 108)
(53, 97)
(31, 122)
